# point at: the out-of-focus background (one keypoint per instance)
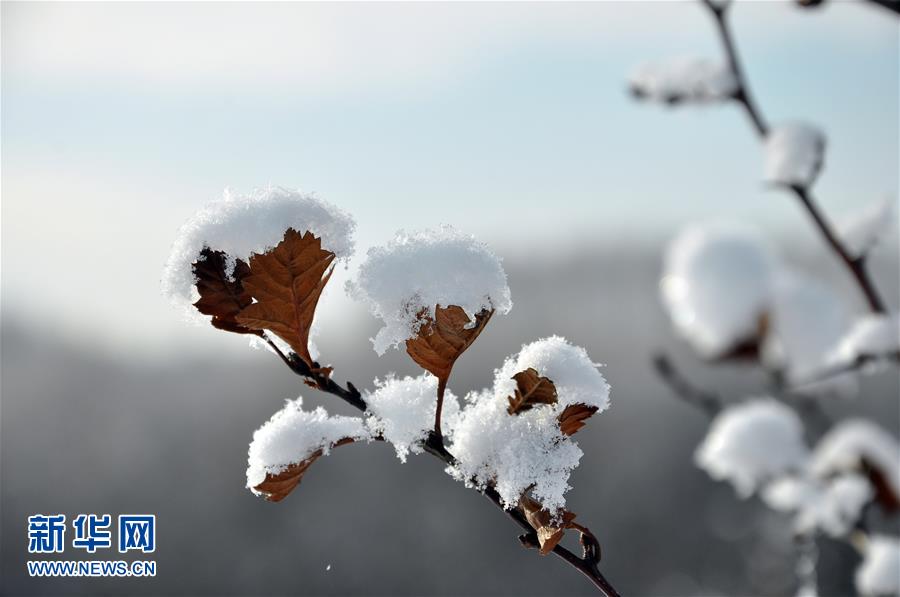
(509, 121)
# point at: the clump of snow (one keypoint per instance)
(833, 506)
(871, 336)
(794, 153)
(243, 224)
(879, 573)
(863, 230)
(716, 286)
(752, 443)
(402, 411)
(294, 434)
(419, 271)
(806, 320)
(683, 79)
(852, 442)
(576, 377)
(515, 452)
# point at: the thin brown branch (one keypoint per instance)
(855, 265)
(858, 363)
(892, 5)
(706, 401)
(434, 445)
(441, 388)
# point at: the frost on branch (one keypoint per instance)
(405, 281)
(402, 411)
(857, 445)
(806, 319)
(680, 80)
(752, 443)
(832, 506)
(240, 225)
(528, 449)
(879, 573)
(285, 446)
(716, 287)
(870, 339)
(863, 230)
(794, 153)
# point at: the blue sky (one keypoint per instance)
(507, 120)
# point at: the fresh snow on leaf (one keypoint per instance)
(752, 443)
(863, 230)
(879, 573)
(402, 411)
(527, 449)
(854, 444)
(513, 451)
(871, 336)
(806, 319)
(419, 271)
(832, 506)
(716, 286)
(576, 377)
(794, 153)
(684, 79)
(243, 224)
(294, 434)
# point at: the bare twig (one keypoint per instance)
(434, 445)
(708, 402)
(442, 387)
(861, 361)
(856, 265)
(892, 5)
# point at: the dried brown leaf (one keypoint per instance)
(276, 487)
(532, 390)
(286, 282)
(885, 495)
(573, 417)
(221, 297)
(440, 341)
(549, 531)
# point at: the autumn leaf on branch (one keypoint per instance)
(573, 417)
(286, 283)
(276, 487)
(549, 530)
(442, 339)
(221, 296)
(532, 390)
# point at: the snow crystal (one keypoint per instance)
(870, 336)
(240, 225)
(752, 443)
(852, 441)
(833, 506)
(716, 285)
(293, 434)
(794, 153)
(879, 573)
(867, 227)
(423, 270)
(683, 79)
(806, 319)
(576, 377)
(403, 409)
(514, 452)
